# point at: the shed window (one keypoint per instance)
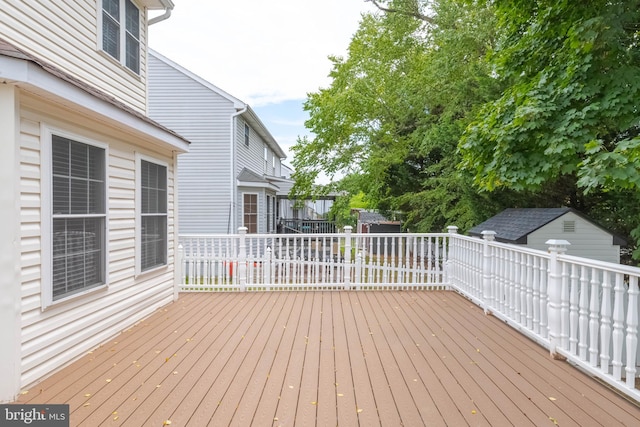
(121, 32)
(78, 223)
(569, 226)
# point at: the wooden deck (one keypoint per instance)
(327, 358)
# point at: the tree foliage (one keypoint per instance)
(570, 107)
(452, 110)
(397, 106)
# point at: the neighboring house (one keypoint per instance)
(533, 227)
(88, 233)
(231, 175)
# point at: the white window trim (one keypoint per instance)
(138, 221)
(46, 219)
(123, 36)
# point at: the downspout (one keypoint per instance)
(234, 187)
(167, 13)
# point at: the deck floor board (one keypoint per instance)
(383, 358)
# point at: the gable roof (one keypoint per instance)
(515, 224)
(245, 110)
(111, 107)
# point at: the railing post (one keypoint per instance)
(347, 257)
(554, 289)
(487, 275)
(242, 258)
(358, 275)
(266, 280)
(451, 259)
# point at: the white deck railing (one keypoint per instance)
(580, 309)
(246, 262)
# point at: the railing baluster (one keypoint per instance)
(564, 307)
(536, 295)
(594, 313)
(573, 310)
(605, 324)
(583, 314)
(618, 326)
(544, 298)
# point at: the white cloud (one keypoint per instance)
(259, 51)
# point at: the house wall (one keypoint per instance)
(204, 118)
(252, 158)
(56, 335)
(65, 33)
(586, 241)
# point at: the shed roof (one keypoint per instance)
(515, 224)
(369, 217)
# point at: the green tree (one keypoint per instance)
(570, 110)
(397, 106)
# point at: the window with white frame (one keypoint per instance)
(246, 134)
(250, 212)
(121, 32)
(266, 159)
(153, 215)
(78, 203)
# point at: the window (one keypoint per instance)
(121, 32)
(266, 158)
(153, 215)
(246, 134)
(250, 212)
(78, 217)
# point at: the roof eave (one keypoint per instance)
(33, 78)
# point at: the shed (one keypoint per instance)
(375, 222)
(532, 227)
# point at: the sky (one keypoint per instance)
(269, 54)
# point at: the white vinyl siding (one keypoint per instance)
(61, 332)
(587, 240)
(223, 143)
(206, 174)
(67, 33)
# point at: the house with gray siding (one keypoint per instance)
(88, 237)
(230, 176)
(533, 227)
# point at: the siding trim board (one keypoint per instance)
(10, 239)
